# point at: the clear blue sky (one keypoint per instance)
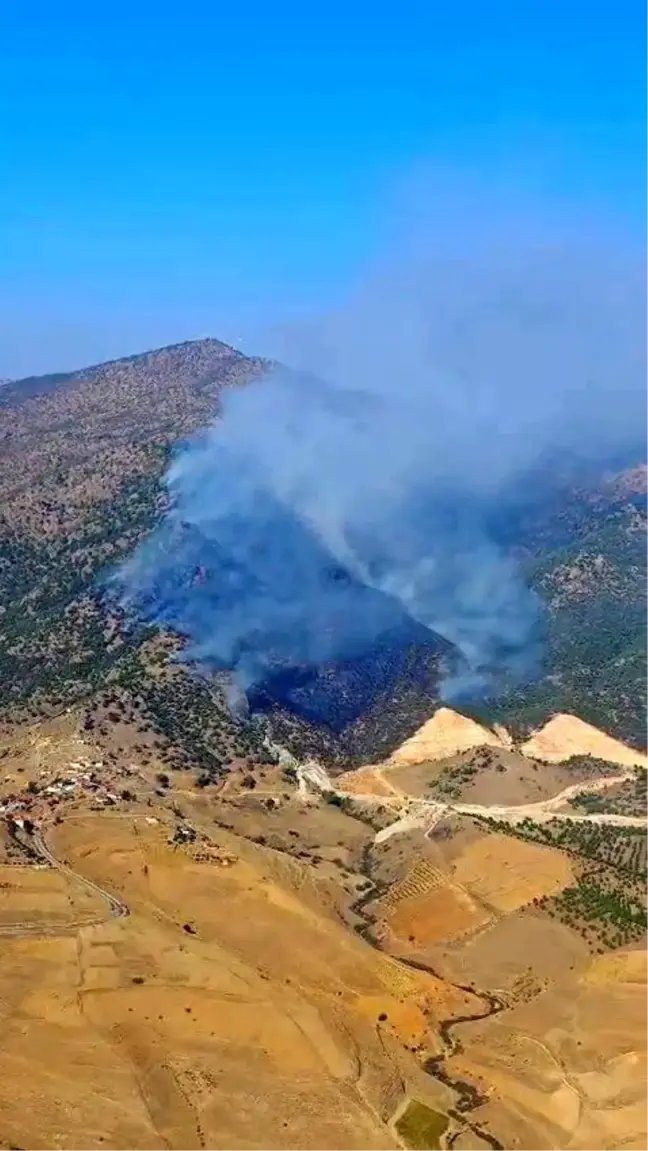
(169, 175)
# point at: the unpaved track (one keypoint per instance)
(417, 813)
(414, 812)
(551, 808)
(117, 908)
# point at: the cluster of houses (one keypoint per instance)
(44, 800)
(31, 806)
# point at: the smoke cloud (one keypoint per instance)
(349, 499)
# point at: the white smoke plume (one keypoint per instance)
(328, 504)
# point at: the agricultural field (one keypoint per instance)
(606, 903)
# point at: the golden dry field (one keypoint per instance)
(257, 966)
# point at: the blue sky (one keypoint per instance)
(218, 167)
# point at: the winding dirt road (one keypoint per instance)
(116, 907)
(423, 813)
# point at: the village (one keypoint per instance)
(26, 813)
(43, 799)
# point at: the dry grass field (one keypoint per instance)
(234, 1005)
(568, 1069)
(45, 898)
(426, 907)
(508, 873)
(227, 1009)
(564, 1063)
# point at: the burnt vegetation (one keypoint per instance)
(355, 710)
(82, 458)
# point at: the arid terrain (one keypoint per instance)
(417, 927)
(295, 960)
(538, 909)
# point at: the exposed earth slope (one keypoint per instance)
(446, 733)
(542, 907)
(566, 735)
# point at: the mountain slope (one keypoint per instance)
(232, 1006)
(303, 969)
(82, 456)
(69, 442)
(582, 545)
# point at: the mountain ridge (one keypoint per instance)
(21, 388)
(81, 484)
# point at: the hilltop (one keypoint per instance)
(81, 463)
(453, 757)
(450, 733)
(446, 733)
(83, 458)
(565, 736)
(71, 442)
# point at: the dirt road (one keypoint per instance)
(116, 907)
(413, 812)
